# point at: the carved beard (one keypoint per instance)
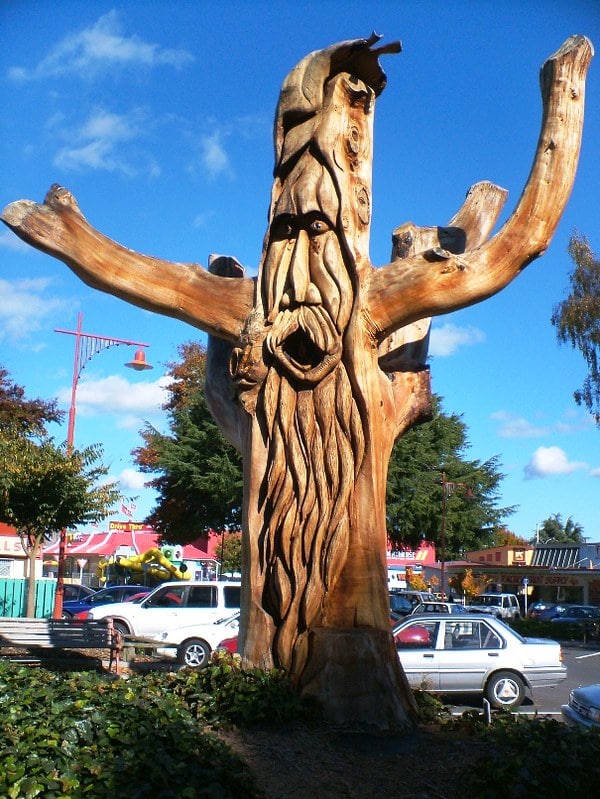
(316, 445)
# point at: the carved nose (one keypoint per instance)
(300, 290)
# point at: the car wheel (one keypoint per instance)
(505, 690)
(66, 615)
(121, 627)
(194, 653)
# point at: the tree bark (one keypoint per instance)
(319, 365)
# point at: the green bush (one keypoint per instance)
(227, 693)
(527, 758)
(534, 628)
(89, 736)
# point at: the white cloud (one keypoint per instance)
(99, 49)
(24, 309)
(115, 394)
(133, 480)
(213, 157)
(547, 461)
(595, 472)
(446, 340)
(95, 144)
(10, 241)
(513, 426)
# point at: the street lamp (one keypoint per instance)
(448, 488)
(86, 346)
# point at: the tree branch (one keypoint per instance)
(218, 305)
(438, 281)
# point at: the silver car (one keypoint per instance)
(476, 654)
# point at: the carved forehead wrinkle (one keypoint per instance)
(309, 188)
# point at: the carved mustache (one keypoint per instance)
(305, 342)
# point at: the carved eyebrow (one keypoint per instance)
(296, 221)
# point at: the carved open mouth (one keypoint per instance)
(301, 351)
(305, 343)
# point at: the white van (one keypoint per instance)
(172, 605)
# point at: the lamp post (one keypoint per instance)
(86, 346)
(448, 488)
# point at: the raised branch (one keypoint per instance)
(438, 281)
(218, 305)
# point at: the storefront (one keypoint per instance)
(91, 558)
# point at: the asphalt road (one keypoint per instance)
(583, 668)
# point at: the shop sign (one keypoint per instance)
(11, 545)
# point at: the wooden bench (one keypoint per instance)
(43, 635)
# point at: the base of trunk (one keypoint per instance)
(357, 679)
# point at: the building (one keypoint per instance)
(13, 560)
(553, 572)
(91, 556)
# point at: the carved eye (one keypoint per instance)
(318, 226)
(283, 228)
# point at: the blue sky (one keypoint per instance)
(158, 117)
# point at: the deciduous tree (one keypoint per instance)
(577, 320)
(199, 474)
(45, 489)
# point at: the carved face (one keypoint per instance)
(306, 287)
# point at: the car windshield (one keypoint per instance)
(491, 601)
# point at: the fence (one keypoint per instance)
(13, 597)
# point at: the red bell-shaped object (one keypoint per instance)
(139, 362)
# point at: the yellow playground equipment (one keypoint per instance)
(160, 564)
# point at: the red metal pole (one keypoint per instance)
(62, 543)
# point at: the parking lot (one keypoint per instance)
(583, 668)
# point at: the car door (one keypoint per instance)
(159, 611)
(468, 649)
(416, 645)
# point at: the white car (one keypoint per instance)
(193, 644)
(172, 605)
(475, 654)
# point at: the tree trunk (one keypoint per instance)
(315, 368)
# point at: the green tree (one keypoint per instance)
(21, 416)
(553, 529)
(415, 498)
(45, 489)
(577, 320)
(229, 552)
(199, 474)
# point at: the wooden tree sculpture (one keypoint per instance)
(318, 365)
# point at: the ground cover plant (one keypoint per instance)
(71, 735)
(233, 733)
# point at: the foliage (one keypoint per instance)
(540, 628)
(21, 416)
(415, 497)
(229, 551)
(227, 692)
(525, 758)
(44, 488)
(83, 736)
(466, 583)
(577, 320)
(553, 530)
(415, 581)
(506, 538)
(199, 474)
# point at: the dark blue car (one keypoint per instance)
(106, 596)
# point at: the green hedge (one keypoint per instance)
(90, 736)
(534, 628)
